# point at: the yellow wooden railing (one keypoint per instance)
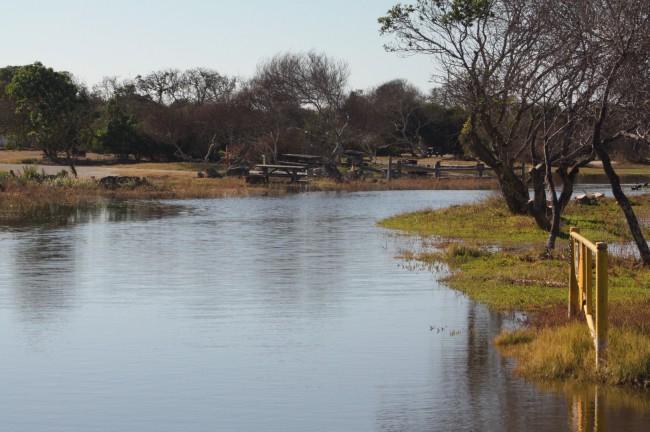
(586, 296)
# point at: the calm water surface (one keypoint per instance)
(258, 314)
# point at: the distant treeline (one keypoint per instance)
(296, 103)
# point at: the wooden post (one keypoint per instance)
(581, 275)
(573, 280)
(589, 284)
(390, 168)
(263, 159)
(437, 169)
(601, 304)
(480, 167)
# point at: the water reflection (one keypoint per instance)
(43, 276)
(275, 314)
(594, 408)
(56, 215)
(588, 411)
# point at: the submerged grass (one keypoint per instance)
(497, 259)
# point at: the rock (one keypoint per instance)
(117, 182)
(212, 173)
(589, 199)
(239, 171)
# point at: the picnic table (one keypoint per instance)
(309, 161)
(295, 172)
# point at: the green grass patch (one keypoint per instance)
(605, 221)
(487, 221)
(525, 280)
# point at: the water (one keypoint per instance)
(257, 314)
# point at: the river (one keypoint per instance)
(259, 314)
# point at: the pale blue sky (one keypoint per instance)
(93, 39)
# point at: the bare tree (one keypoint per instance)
(615, 34)
(315, 82)
(401, 107)
(163, 87)
(201, 85)
(494, 55)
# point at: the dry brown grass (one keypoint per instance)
(19, 156)
(567, 352)
(35, 202)
(404, 183)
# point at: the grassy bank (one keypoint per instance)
(497, 259)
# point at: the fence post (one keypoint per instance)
(589, 282)
(573, 280)
(390, 168)
(601, 303)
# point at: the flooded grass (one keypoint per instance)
(518, 275)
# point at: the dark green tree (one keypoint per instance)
(119, 135)
(54, 110)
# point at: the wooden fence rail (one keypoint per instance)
(586, 296)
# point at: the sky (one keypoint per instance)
(94, 39)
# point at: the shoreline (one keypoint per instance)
(497, 259)
(30, 196)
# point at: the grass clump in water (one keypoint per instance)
(514, 338)
(567, 352)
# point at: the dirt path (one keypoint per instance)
(100, 171)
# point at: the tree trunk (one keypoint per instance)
(514, 191)
(554, 231)
(537, 177)
(568, 182)
(71, 164)
(332, 170)
(625, 205)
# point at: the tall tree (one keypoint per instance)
(318, 83)
(492, 53)
(615, 34)
(54, 109)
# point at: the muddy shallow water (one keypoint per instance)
(259, 314)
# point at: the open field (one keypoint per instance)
(100, 162)
(498, 259)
